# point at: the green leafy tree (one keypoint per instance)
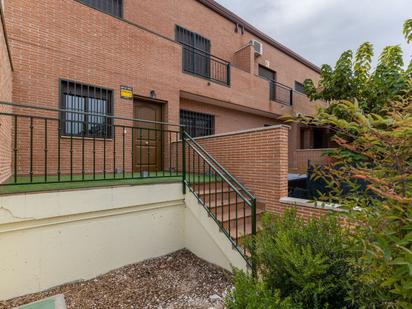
(374, 151)
(354, 77)
(370, 174)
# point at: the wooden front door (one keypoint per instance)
(147, 137)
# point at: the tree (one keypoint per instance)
(370, 114)
(354, 78)
(382, 148)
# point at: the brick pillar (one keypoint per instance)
(5, 95)
(280, 169)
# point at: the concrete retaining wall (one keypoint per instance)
(48, 239)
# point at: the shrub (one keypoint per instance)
(252, 294)
(308, 264)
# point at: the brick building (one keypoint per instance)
(191, 62)
(95, 93)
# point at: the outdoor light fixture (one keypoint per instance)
(153, 94)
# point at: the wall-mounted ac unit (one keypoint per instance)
(258, 47)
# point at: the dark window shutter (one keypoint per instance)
(112, 7)
(196, 51)
(299, 87)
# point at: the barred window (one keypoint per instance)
(92, 104)
(112, 7)
(299, 87)
(197, 124)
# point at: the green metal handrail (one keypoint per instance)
(247, 200)
(232, 178)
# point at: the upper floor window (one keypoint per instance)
(270, 75)
(112, 7)
(299, 87)
(197, 124)
(196, 52)
(87, 108)
(267, 73)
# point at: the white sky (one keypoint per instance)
(320, 30)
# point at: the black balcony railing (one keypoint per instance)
(200, 63)
(280, 93)
(48, 148)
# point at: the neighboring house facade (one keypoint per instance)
(188, 62)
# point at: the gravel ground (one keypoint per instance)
(177, 280)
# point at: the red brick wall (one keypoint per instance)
(5, 121)
(162, 16)
(244, 59)
(302, 156)
(89, 47)
(259, 159)
(228, 120)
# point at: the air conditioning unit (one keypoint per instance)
(258, 47)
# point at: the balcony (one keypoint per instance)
(200, 63)
(280, 93)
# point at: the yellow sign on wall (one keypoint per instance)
(126, 92)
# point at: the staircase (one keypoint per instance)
(233, 207)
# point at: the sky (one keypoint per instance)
(320, 30)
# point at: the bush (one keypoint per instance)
(304, 264)
(249, 293)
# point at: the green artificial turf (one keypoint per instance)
(40, 183)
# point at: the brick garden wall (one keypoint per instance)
(258, 158)
(5, 95)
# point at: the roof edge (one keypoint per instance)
(221, 10)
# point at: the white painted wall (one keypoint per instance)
(203, 238)
(47, 239)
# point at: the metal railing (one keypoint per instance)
(198, 62)
(48, 148)
(225, 199)
(280, 93)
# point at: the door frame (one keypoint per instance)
(162, 104)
